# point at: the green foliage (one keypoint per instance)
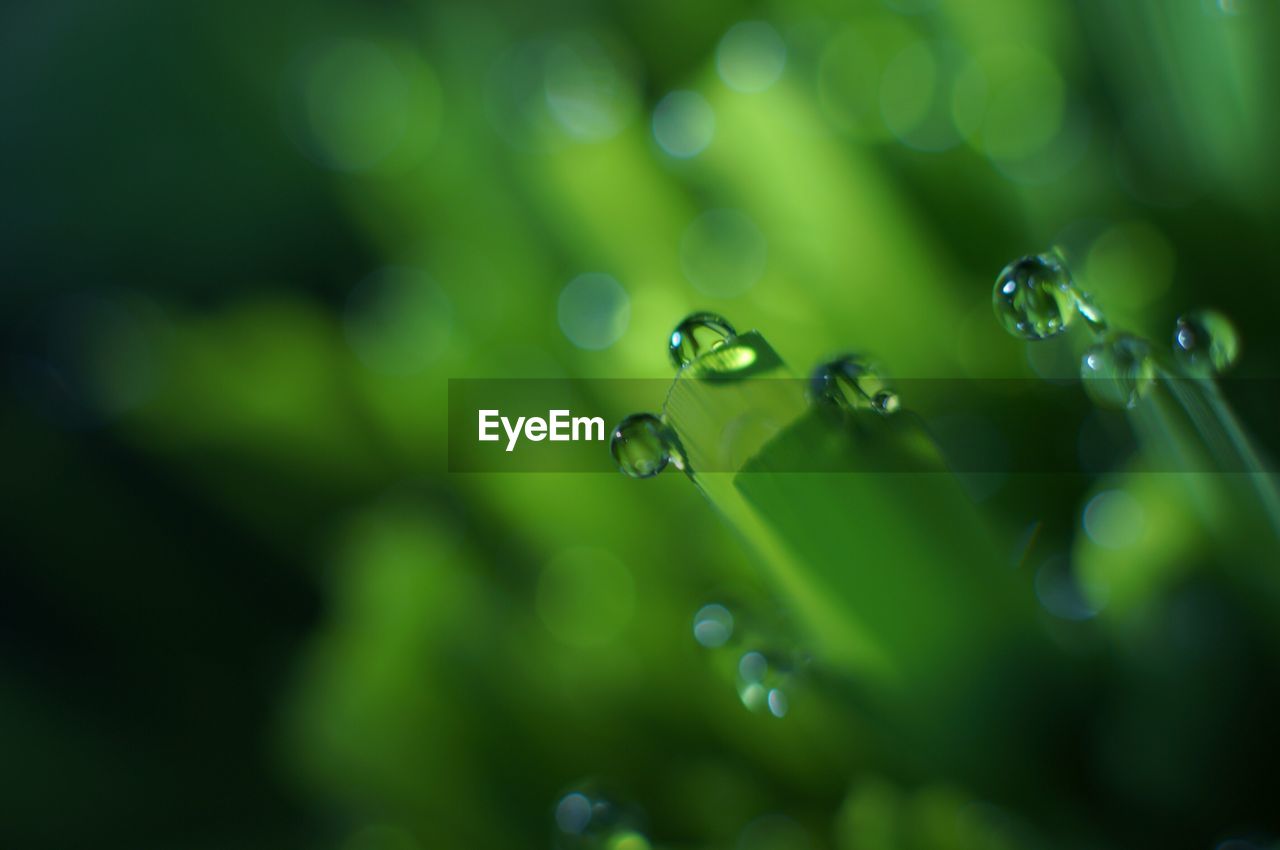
(246, 604)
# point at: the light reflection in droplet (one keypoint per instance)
(778, 703)
(683, 124)
(751, 56)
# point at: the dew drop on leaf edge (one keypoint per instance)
(697, 334)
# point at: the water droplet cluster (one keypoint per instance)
(643, 443)
(761, 684)
(586, 819)
(763, 677)
(1035, 298)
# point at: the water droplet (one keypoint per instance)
(698, 333)
(594, 311)
(886, 401)
(753, 666)
(713, 625)
(761, 683)
(1034, 298)
(587, 817)
(1206, 342)
(640, 445)
(1118, 371)
(851, 382)
(573, 813)
(683, 124)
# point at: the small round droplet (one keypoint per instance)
(762, 683)
(753, 666)
(590, 818)
(573, 813)
(712, 625)
(697, 334)
(1118, 371)
(640, 445)
(851, 382)
(778, 703)
(1206, 342)
(886, 401)
(1034, 298)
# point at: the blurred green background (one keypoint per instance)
(245, 245)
